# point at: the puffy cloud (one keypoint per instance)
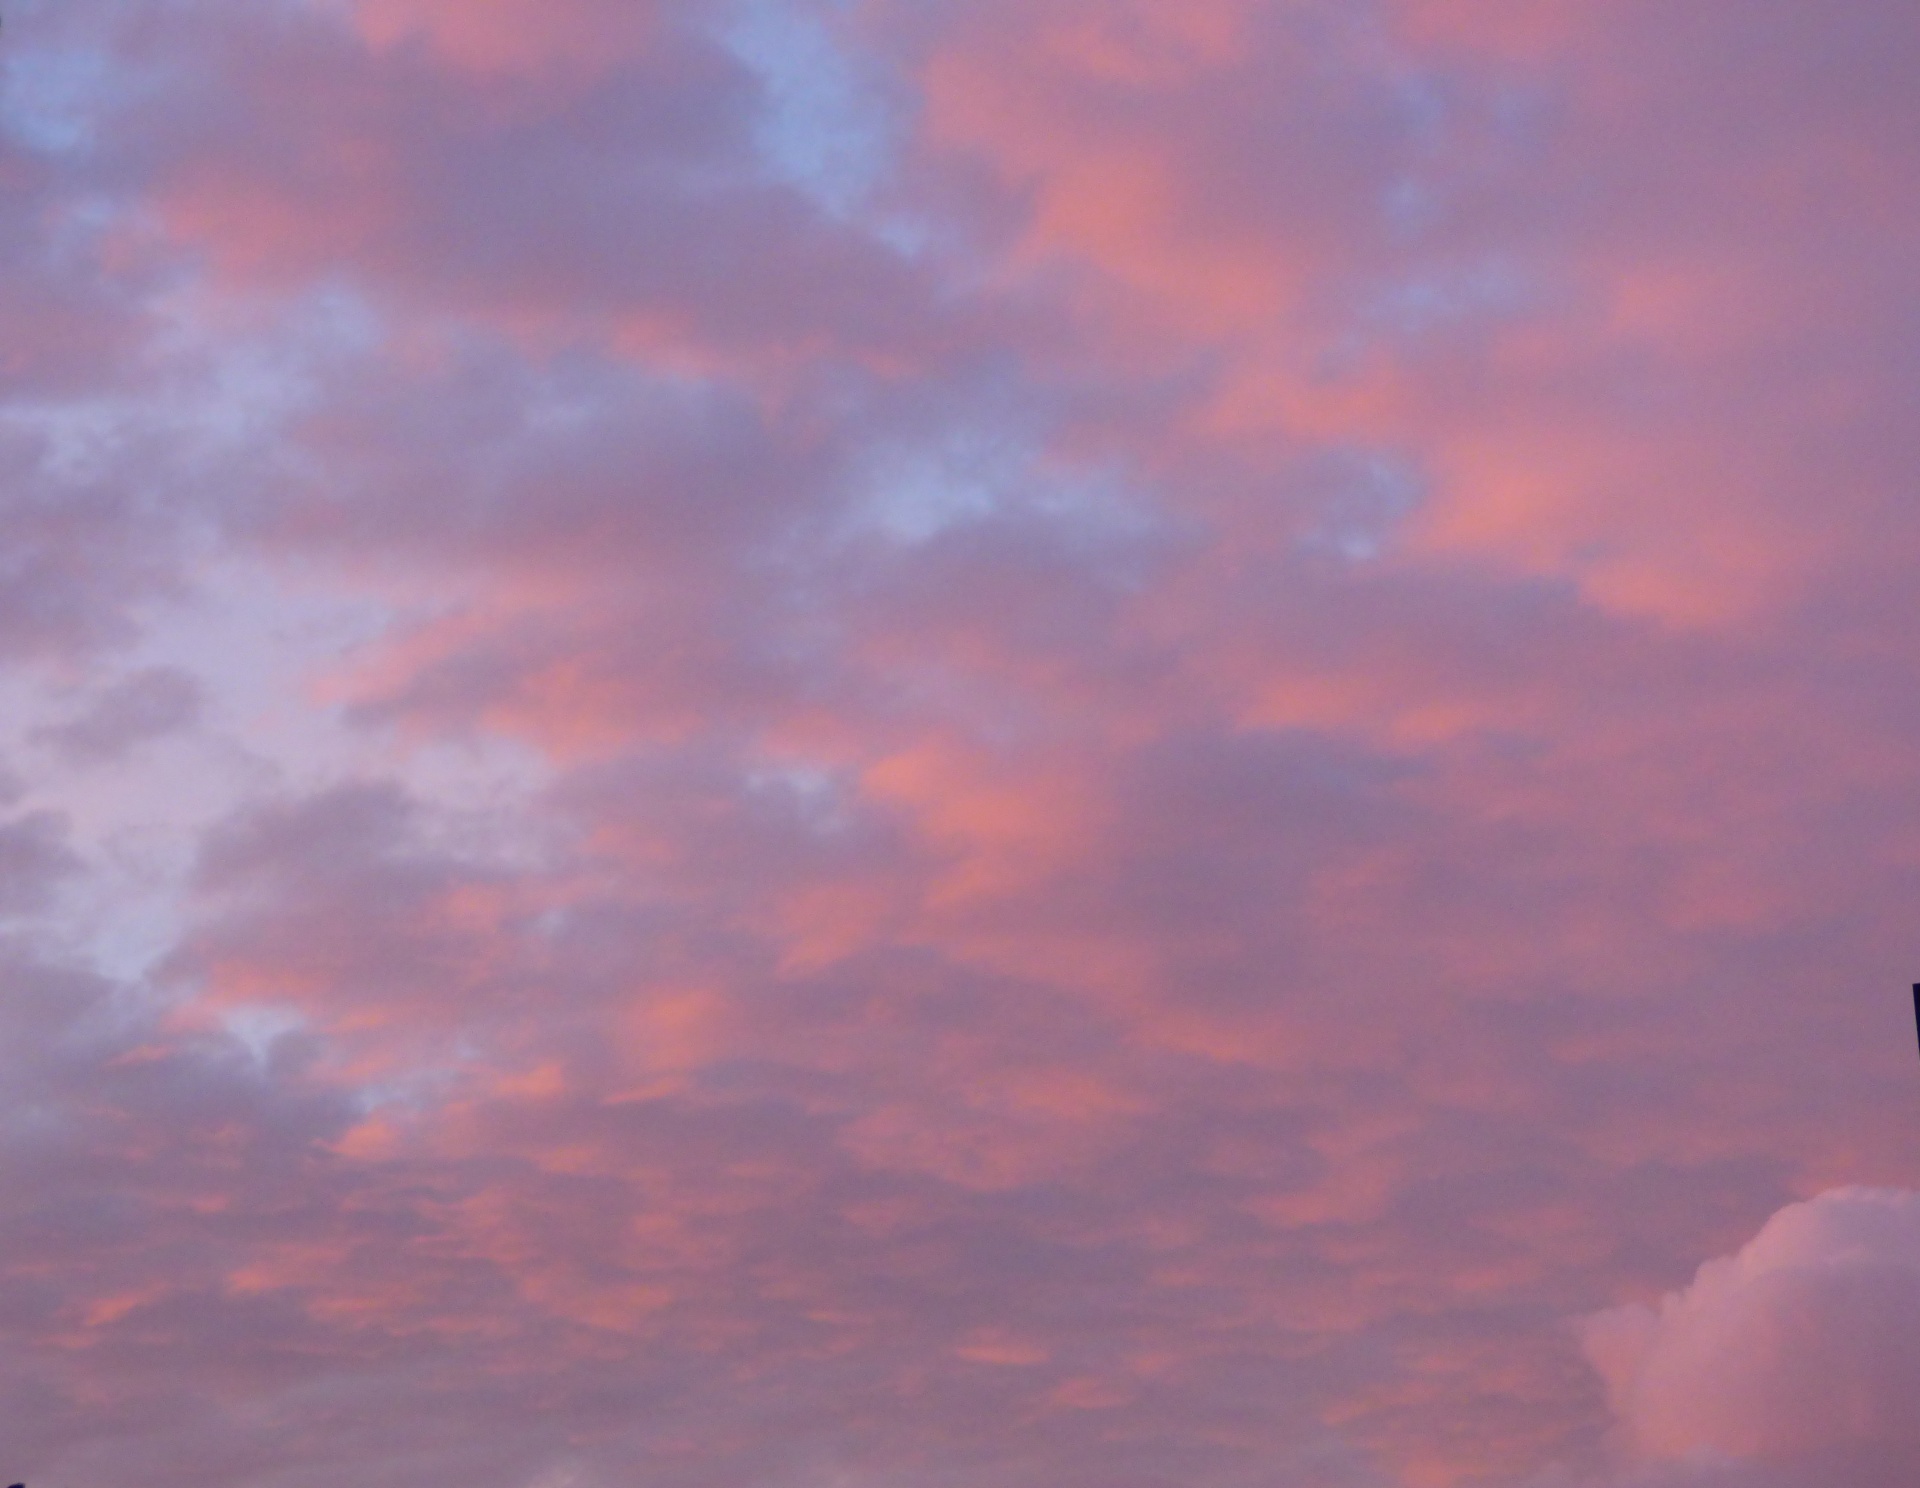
(1795, 1359)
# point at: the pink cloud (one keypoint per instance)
(1174, 773)
(509, 37)
(1797, 1352)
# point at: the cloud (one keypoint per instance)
(1795, 1360)
(1207, 710)
(145, 706)
(34, 858)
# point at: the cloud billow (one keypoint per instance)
(1797, 1353)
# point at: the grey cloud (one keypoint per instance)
(34, 857)
(146, 706)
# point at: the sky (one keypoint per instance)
(959, 743)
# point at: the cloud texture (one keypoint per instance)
(1077, 742)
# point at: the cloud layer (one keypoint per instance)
(1060, 743)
